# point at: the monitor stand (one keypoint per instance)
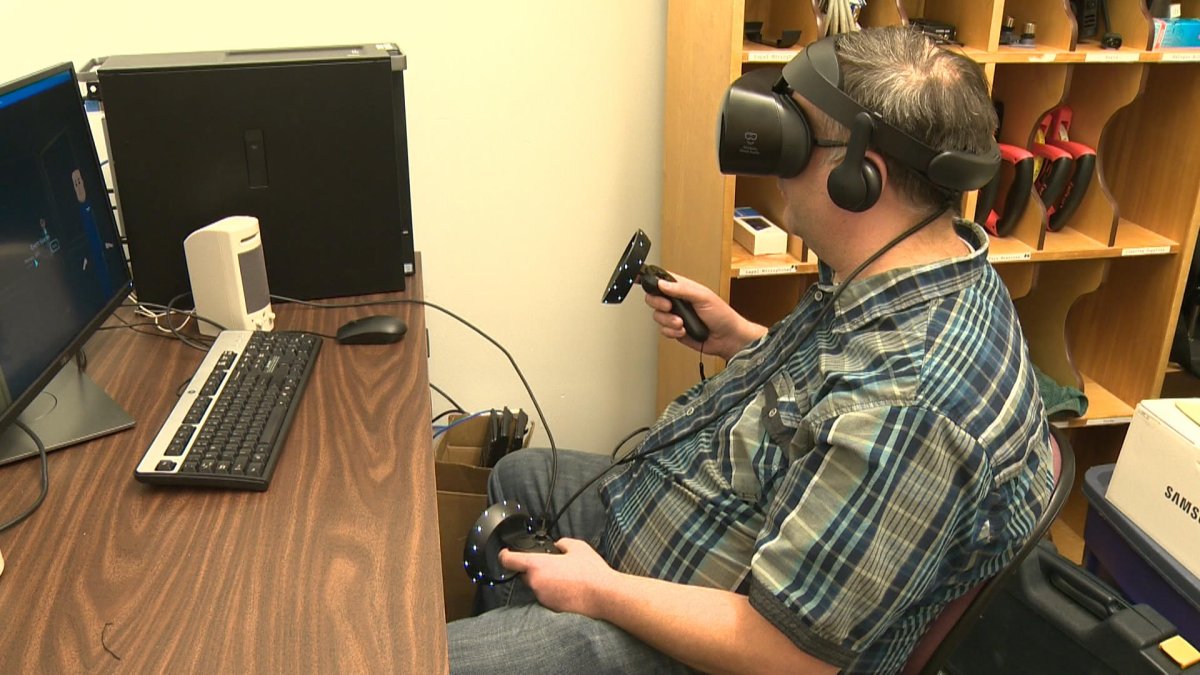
(70, 410)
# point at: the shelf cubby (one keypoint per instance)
(1100, 296)
(1095, 94)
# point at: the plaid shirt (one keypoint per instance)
(854, 480)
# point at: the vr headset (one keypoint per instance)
(764, 132)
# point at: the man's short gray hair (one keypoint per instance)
(936, 96)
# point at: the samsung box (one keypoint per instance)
(1156, 482)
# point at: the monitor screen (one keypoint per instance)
(62, 267)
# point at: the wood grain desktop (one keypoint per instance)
(334, 569)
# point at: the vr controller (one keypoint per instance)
(504, 525)
(633, 267)
(508, 524)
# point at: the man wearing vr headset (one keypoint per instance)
(857, 466)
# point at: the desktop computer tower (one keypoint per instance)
(310, 141)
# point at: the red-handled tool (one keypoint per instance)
(1055, 174)
(1083, 158)
(1001, 223)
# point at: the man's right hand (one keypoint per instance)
(728, 331)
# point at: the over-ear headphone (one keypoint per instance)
(764, 132)
(855, 183)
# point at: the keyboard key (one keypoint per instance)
(273, 424)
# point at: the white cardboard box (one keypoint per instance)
(1156, 482)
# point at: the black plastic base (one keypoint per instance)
(504, 525)
(530, 543)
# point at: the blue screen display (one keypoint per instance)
(62, 266)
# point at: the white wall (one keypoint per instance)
(535, 131)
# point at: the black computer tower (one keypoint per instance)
(311, 141)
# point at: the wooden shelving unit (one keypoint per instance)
(1098, 299)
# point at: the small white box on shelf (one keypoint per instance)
(758, 235)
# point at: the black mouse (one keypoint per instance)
(380, 329)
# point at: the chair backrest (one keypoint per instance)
(958, 618)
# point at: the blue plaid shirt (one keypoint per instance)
(854, 480)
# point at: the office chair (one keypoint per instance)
(957, 619)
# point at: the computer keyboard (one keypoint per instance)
(228, 427)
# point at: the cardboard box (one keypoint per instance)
(461, 497)
(463, 443)
(1156, 482)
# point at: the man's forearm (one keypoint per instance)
(708, 629)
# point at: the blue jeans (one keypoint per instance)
(514, 634)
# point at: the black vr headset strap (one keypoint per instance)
(815, 74)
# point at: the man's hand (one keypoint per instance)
(712, 630)
(563, 583)
(728, 331)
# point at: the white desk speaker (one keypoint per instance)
(229, 275)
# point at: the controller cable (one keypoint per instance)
(821, 314)
(548, 505)
(170, 309)
(640, 430)
(451, 411)
(457, 407)
(81, 363)
(41, 447)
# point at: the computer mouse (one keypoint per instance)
(380, 329)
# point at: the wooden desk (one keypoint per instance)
(334, 569)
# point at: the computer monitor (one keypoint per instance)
(311, 141)
(62, 268)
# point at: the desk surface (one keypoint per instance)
(334, 569)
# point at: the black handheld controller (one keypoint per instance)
(504, 525)
(692, 324)
(633, 267)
